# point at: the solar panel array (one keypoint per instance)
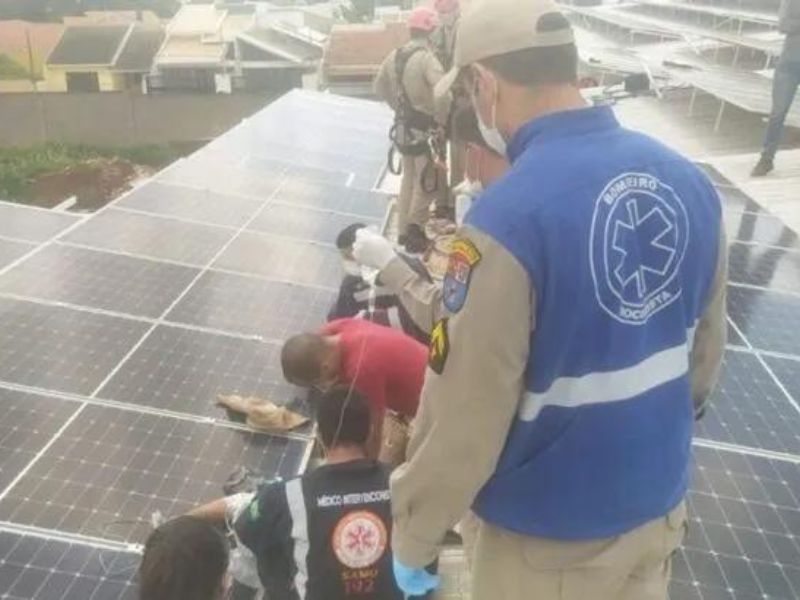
(118, 331)
(743, 539)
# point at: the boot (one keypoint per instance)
(445, 212)
(416, 242)
(763, 166)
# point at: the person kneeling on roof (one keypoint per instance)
(370, 299)
(324, 535)
(383, 364)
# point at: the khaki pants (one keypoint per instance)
(413, 205)
(633, 566)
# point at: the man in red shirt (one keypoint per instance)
(383, 364)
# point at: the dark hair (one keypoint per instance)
(343, 417)
(347, 236)
(545, 65)
(465, 127)
(301, 358)
(184, 559)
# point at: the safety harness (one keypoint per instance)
(408, 121)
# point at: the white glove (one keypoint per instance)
(372, 249)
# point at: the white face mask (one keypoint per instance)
(351, 267)
(490, 133)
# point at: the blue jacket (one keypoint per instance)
(620, 237)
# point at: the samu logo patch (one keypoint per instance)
(463, 259)
(640, 233)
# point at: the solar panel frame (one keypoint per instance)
(26, 223)
(152, 236)
(769, 319)
(111, 469)
(750, 409)
(265, 308)
(192, 204)
(97, 279)
(13, 250)
(184, 371)
(38, 568)
(282, 259)
(765, 267)
(57, 348)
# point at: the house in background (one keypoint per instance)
(224, 48)
(102, 58)
(24, 46)
(354, 54)
(114, 17)
(199, 42)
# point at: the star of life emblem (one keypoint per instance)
(360, 539)
(640, 232)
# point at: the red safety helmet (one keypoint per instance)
(423, 19)
(445, 7)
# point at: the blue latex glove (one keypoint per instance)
(414, 582)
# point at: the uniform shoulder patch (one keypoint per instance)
(439, 348)
(463, 259)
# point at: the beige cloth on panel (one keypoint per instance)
(396, 431)
(263, 415)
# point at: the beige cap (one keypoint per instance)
(493, 27)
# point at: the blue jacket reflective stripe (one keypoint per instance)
(619, 235)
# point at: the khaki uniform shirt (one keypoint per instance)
(423, 71)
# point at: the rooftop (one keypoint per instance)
(89, 45)
(283, 44)
(360, 49)
(124, 48)
(140, 49)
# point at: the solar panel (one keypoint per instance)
(305, 223)
(346, 200)
(106, 418)
(282, 259)
(262, 163)
(193, 204)
(744, 531)
(28, 423)
(11, 250)
(32, 224)
(57, 348)
(750, 409)
(735, 200)
(111, 469)
(98, 279)
(38, 568)
(265, 308)
(119, 330)
(766, 267)
(787, 370)
(734, 339)
(761, 229)
(152, 237)
(184, 371)
(769, 320)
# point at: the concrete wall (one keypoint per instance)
(120, 119)
(55, 80)
(110, 82)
